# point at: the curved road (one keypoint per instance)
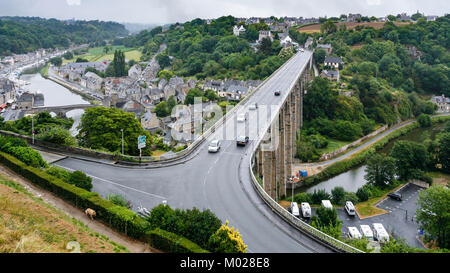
(219, 182)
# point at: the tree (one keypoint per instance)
(319, 55)
(444, 151)
(424, 120)
(100, 128)
(319, 195)
(362, 194)
(227, 240)
(162, 110)
(338, 195)
(191, 95)
(56, 134)
(119, 64)
(68, 55)
(433, 214)
(80, 180)
(318, 102)
(328, 27)
(163, 60)
(380, 170)
(166, 74)
(327, 221)
(266, 46)
(409, 156)
(56, 61)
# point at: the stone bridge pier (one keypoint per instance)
(274, 157)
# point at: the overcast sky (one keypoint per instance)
(171, 11)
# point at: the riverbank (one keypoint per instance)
(358, 158)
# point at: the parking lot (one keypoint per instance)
(400, 221)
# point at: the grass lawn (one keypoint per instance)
(367, 209)
(158, 152)
(333, 145)
(28, 224)
(97, 54)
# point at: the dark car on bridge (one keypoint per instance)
(277, 93)
(241, 140)
(395, 195)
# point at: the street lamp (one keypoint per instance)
(32, 127)
(122, 140)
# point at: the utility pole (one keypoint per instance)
(122, 140)
(32, 127)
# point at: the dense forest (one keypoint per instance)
(211, 50)
(24, 34)
(386, 76)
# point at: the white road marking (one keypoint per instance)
(117, 184)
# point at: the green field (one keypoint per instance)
(333, 145)
(97, 54)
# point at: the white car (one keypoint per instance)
(214, 146)
(241, 118)
(253, 106)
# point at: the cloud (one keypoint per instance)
(373, 2)
(73, 2)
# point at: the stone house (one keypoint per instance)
(7, 91)
(332, 75)
(265, 34)
(134, 71)
(91, 81)
(150, 122)
(333, 61)
(443, 103)
(26, 101)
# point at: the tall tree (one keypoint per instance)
(380, 170)
(434, 215)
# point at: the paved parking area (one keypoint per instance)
(400, 222)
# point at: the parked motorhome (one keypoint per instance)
(354, 233)
(294, 209)
(380, 233)
(327, 204)
(306, 210)
(367, 232)
(349, 208)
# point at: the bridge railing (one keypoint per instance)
(209, 131)
(299, 224)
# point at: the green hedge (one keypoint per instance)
(361, 157)
(119, 218)
(170, 242)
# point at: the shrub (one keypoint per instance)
(80, 180)
(119, 200)
(170, 242)
(363, 194)
(227, 240)
(59, 173)
(303, 197)
(351, 196)
(424, 120)
(57, 135)
(28, 156)
(193, 224)
(123, 220)
(338, 195)
(319, 195)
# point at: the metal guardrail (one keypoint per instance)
(308, 229)
(209, 131)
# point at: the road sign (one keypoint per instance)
(141, 142)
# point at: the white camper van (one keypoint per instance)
(294, 209)
(349, 208)
(380, 233)
(306, 210)
(327, 204)
(354, 233)
(367, 232)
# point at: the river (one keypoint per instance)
(55, 95)
(354, 178)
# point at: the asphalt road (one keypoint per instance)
(219, 182)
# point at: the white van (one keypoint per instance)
(327, 204)
(294, 209)
(354, 233)
(349, 208)
(380, 233)
(367, 232)
(306, 210)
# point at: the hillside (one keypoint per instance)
(201, 50)
(29, 225)
(349, 25)
(24, 34)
